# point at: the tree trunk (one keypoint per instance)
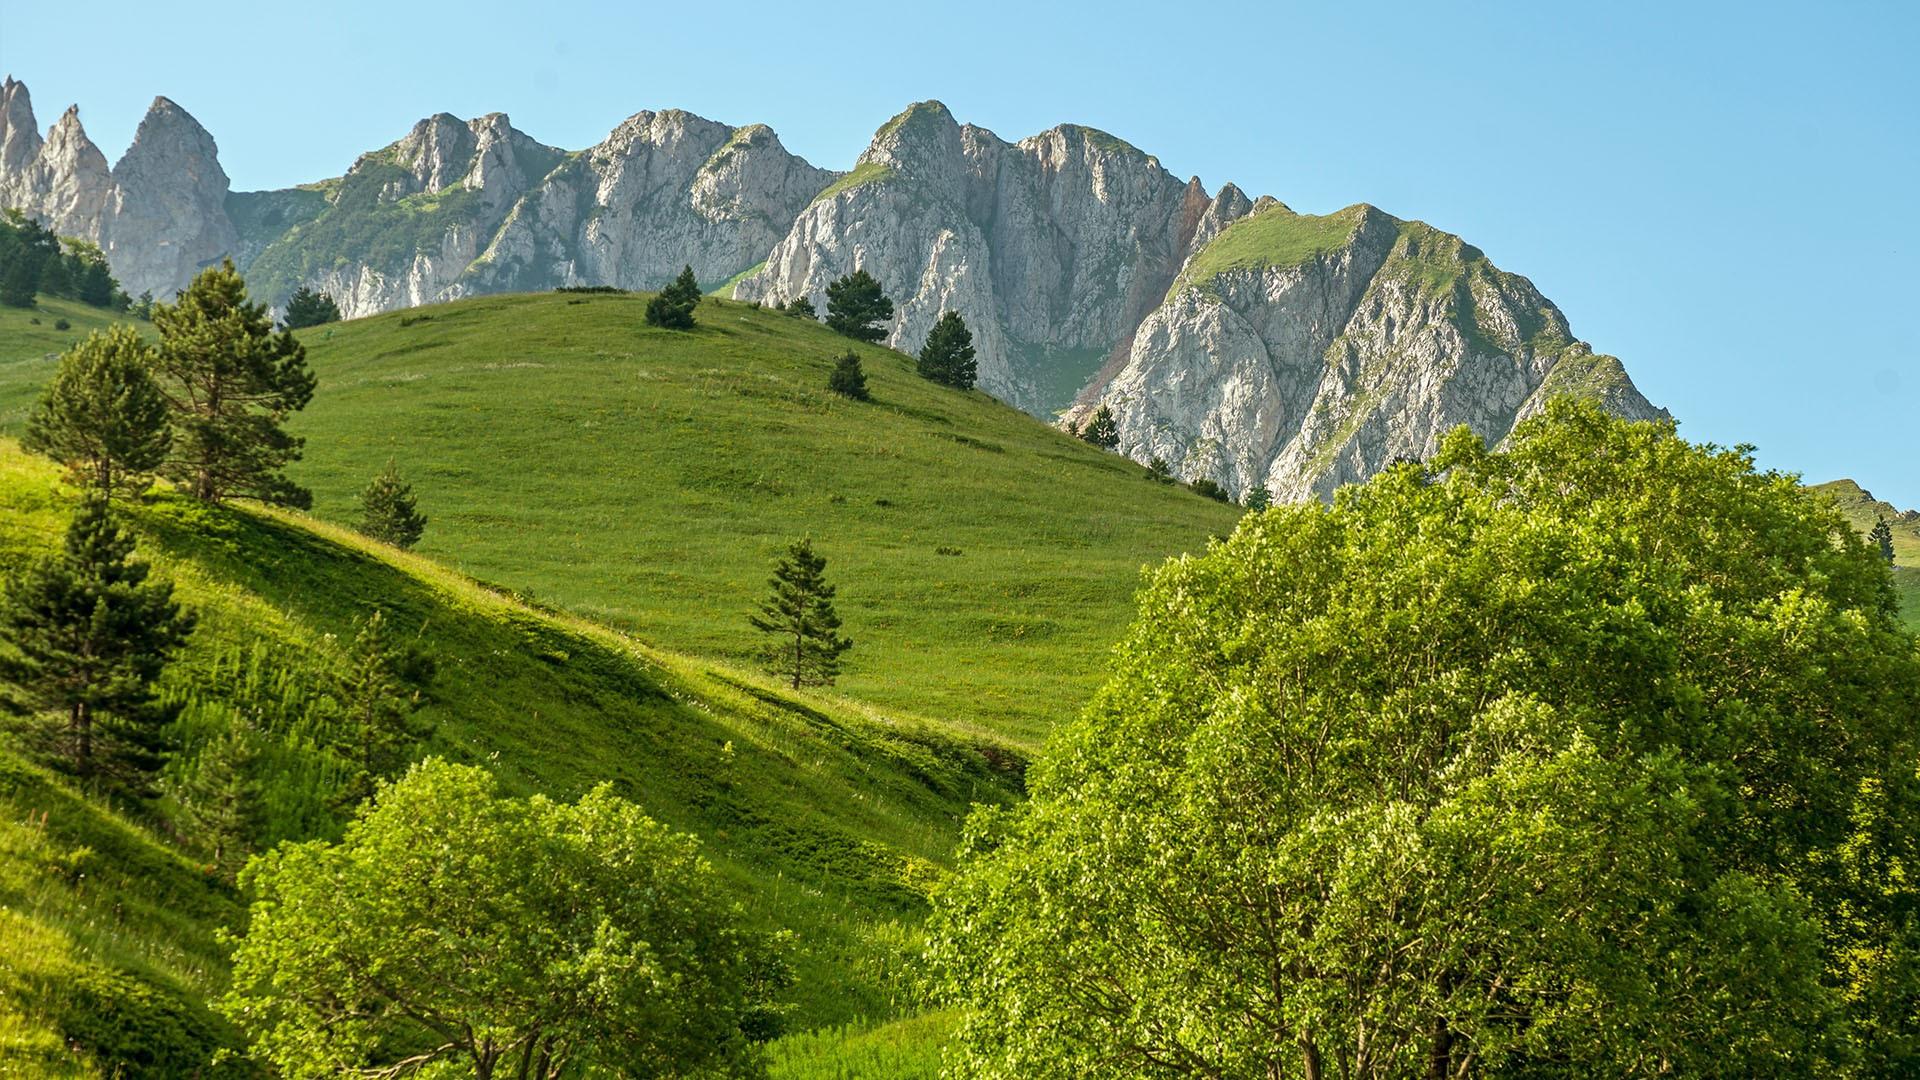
(82, 725)
(1310, 1058)
(797, 642)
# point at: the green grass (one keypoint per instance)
(1274, 237)
(826, 817)
(867, 172)
(30, 349)
(907, 1049)
(647, 478)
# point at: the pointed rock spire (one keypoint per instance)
(19, 133)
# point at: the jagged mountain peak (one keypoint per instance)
(19, 131)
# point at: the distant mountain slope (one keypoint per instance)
(826, 819)
(1862, 510)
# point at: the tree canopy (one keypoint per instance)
(103, 416)
(231, 382)
(454, 926)
(857, 308)
(1592, 756)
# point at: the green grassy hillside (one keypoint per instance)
(1861, 510)
(827, 818)
(646, 478)
(30, 347)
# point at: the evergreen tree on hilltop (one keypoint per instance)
(231, 382)
(388, 512)
(847, 378)
(103, 416)
(947, 356)
(857, 308)
(308, 307)
(1882, 538)
(92, 634)
(805, 645)
(672, 307)
(1103, 430)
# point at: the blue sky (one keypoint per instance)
(1716, 193)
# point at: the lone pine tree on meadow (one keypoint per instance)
(92, 633)
(231, 382)
(1882, 538)
(1102, 430)
(309, 307)
(806, 645)
(857, 308)
(103, 416)
(847, 378)
(947, 356)
(388, 511)
(672, 307)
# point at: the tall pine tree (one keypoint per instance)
(1882, 538)
(388, 511)
(103, 417)
(805, 644)
(92, 634)
(231, 382)
(857, 308)
(672, 307)
(947, 356)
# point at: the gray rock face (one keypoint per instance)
(1053, 249)
(167, 216)
(1302, 353)
(665, 190)
(159, 215)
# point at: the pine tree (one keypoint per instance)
(798, 614)
(92, 634)
(1102, 431)
(848, 379)
(97, 286)
(1160, 470)
(222, 797)
(380, 693)
(857, 308)
(672, 307)
(308, 307)
(103, 417)
(18, 284)
(56, 277)
(388, 512)
(231, 382)
(801, 307)
(947, 356)
(1882, 538)
(1259, 498)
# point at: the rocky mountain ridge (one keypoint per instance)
(1233, 338)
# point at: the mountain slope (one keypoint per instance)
(825, 818)
(647, 478)
(1861, 510)
(1298, 353)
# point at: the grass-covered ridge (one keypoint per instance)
(824, 817)
(646, 478)
(1275, 237)
(867, 172)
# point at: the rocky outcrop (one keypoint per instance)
(159, 214)
(664, 191)
(1299, 353)
(1053, 248)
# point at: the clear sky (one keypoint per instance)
(1713, 192)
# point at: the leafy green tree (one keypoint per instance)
(847, 378)
(1590, 757)
(103, 417)
(1882, 538)
(1258, 498)
(388, 511)
(672, 307)
(221, 796)
(454, 928)
(231, 382)
(91, 635)
(1102, 430)
(381, 692)
(947, 356)
(18, 283)
(310, 307)
(857, 308)
(806, 645)
(801, 307)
